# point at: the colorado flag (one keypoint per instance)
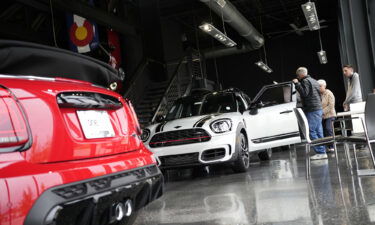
(83, 34)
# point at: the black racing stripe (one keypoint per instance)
(158, 128)
(196, 123)
(200, 124)
(275, 137)
(205, 119)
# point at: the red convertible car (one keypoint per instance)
(70, 151)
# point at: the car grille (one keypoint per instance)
(179, 160)
(179, 137)
(213, 154)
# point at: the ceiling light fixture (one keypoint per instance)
(221, 3)
(264, 66)
(322, 54)
(311, 15)
(322, 57)
(260, 63)
(217, 34)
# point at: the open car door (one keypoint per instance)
(271, 121)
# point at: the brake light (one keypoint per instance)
(13, 127)
(134, 117)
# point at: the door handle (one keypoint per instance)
(287, 111)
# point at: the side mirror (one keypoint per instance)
(159, 119)
(253, 111)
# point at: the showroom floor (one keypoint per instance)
(274, 192)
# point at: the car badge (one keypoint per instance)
(177, 127)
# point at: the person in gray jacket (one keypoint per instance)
(309, 90)
(353, 93)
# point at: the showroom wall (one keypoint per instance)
(356, 26)
(284, 56)
(172, 45)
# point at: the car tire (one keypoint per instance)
(242, 162)
(265, 155)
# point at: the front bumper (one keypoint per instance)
(221, 148)
(96, 197)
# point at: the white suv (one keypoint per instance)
(225, 127)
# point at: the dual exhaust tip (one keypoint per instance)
(121, 210)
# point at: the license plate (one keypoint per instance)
(95, 124)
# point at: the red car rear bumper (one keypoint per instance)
(97, 197)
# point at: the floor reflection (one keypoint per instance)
(274, 192)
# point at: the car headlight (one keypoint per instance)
(145, 135)
(221, 125)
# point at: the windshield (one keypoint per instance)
(219, 103)
(184, 107)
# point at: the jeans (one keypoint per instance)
(327, 128)
(316, 129)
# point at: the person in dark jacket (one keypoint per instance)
(308, 88)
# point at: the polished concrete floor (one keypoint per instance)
(273, 192)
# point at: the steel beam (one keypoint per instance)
(35, 4)
(98, 15)
(20, 32)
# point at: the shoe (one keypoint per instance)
(319, 156)
(330, 150)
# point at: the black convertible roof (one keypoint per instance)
(24, 58)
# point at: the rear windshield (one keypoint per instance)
(218, 103)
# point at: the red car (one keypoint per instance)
(70, 153)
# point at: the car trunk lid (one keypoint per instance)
(75, 121)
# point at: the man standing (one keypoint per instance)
(353, 93)
(308, 88)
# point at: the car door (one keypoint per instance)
(271, 121)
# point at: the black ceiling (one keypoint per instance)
(31, 19)
(271, 17)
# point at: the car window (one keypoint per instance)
(219, 103)
(185, 107)
(275, 96)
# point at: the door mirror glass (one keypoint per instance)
(253, 111)
(159, 119)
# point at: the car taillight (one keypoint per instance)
(13, 127)
(135, 118)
